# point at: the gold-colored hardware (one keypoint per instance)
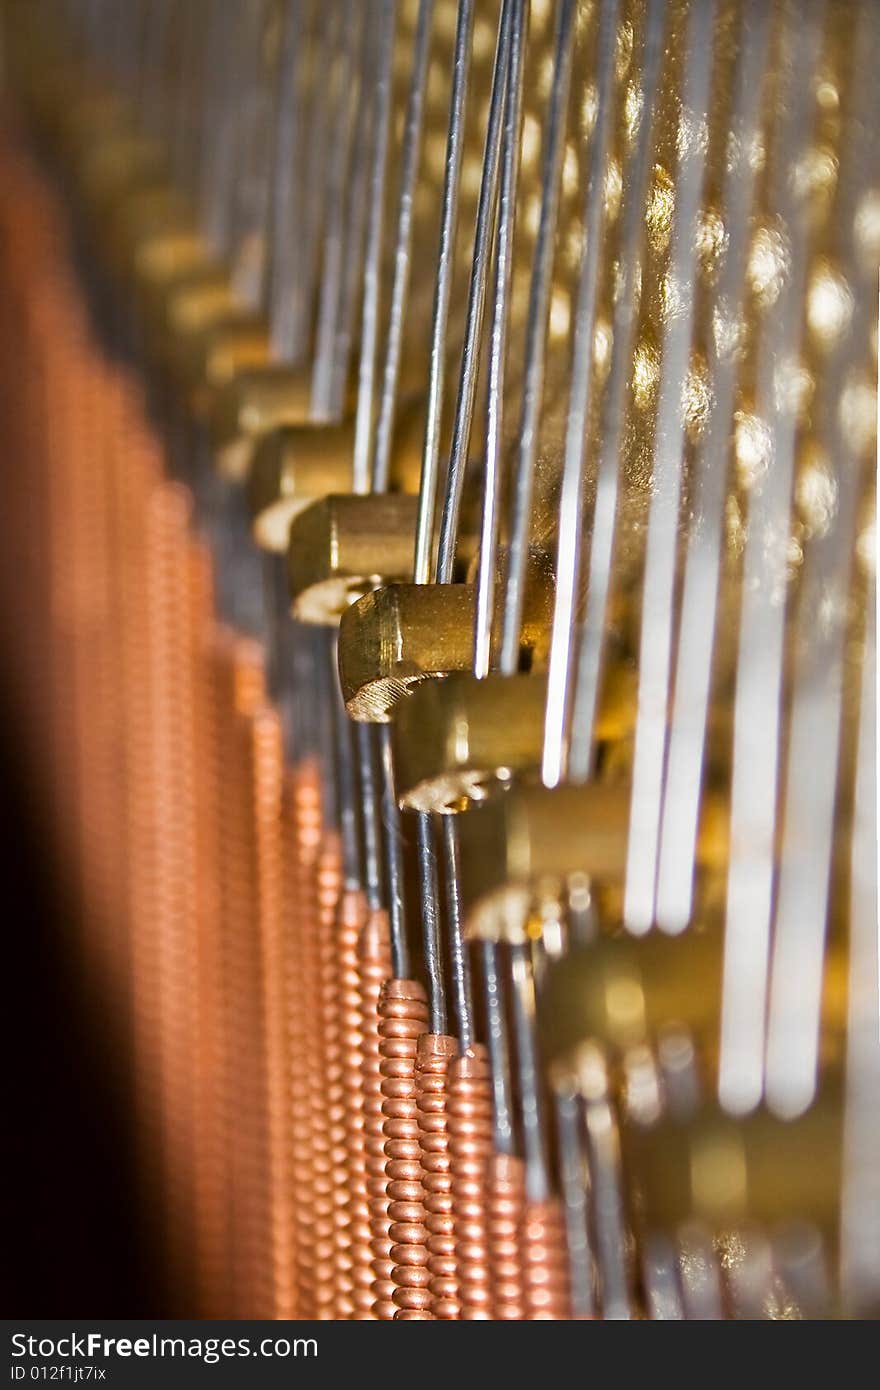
(400, 635)
(292, 467)
(116, 165)
(211, 336)
(534, 838)
(80, 115)
(168, 261)
(726, 1171)
(457, 736)
(619, 991)
(336, 549)
(145, 215)
(255, 402)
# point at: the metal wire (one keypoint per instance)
(467, 381)
(362, 481)
(589, 655)
(535, 346)
(559, 675)
(504, 234)
(409, 165)
(423, 560)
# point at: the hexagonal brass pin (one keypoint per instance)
(455, 737)
(261, 399)
(619, 992)
(83, 115)
(175, 260)
(211, 335)
(144, 216)
(336, 549)
(728, 1172)
(400, 635)
(256, 401)
(519, 844)
(180, 287)
(115, 166)
(293, 467)
(106, 155)
(533, 839)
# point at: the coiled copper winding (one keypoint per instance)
(301, 810)
(267, 762)
(212, 1158)
(433, 1058)
(403, 1018)
(244, 983)
(374, 955)
(173, 851)
(545, 1262)
(505, 1206)
(308, 829)
(356, 1232)
(141, 586)
(318, 1042)
(334, 1215)
(470, 1144)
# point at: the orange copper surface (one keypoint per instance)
(300, 826)
(505, 1202)
(403, 1017)
(545, 1262)
(353, 1220)
(470, 1144)
(374, 951)
(328, 873)
(434, 1055)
